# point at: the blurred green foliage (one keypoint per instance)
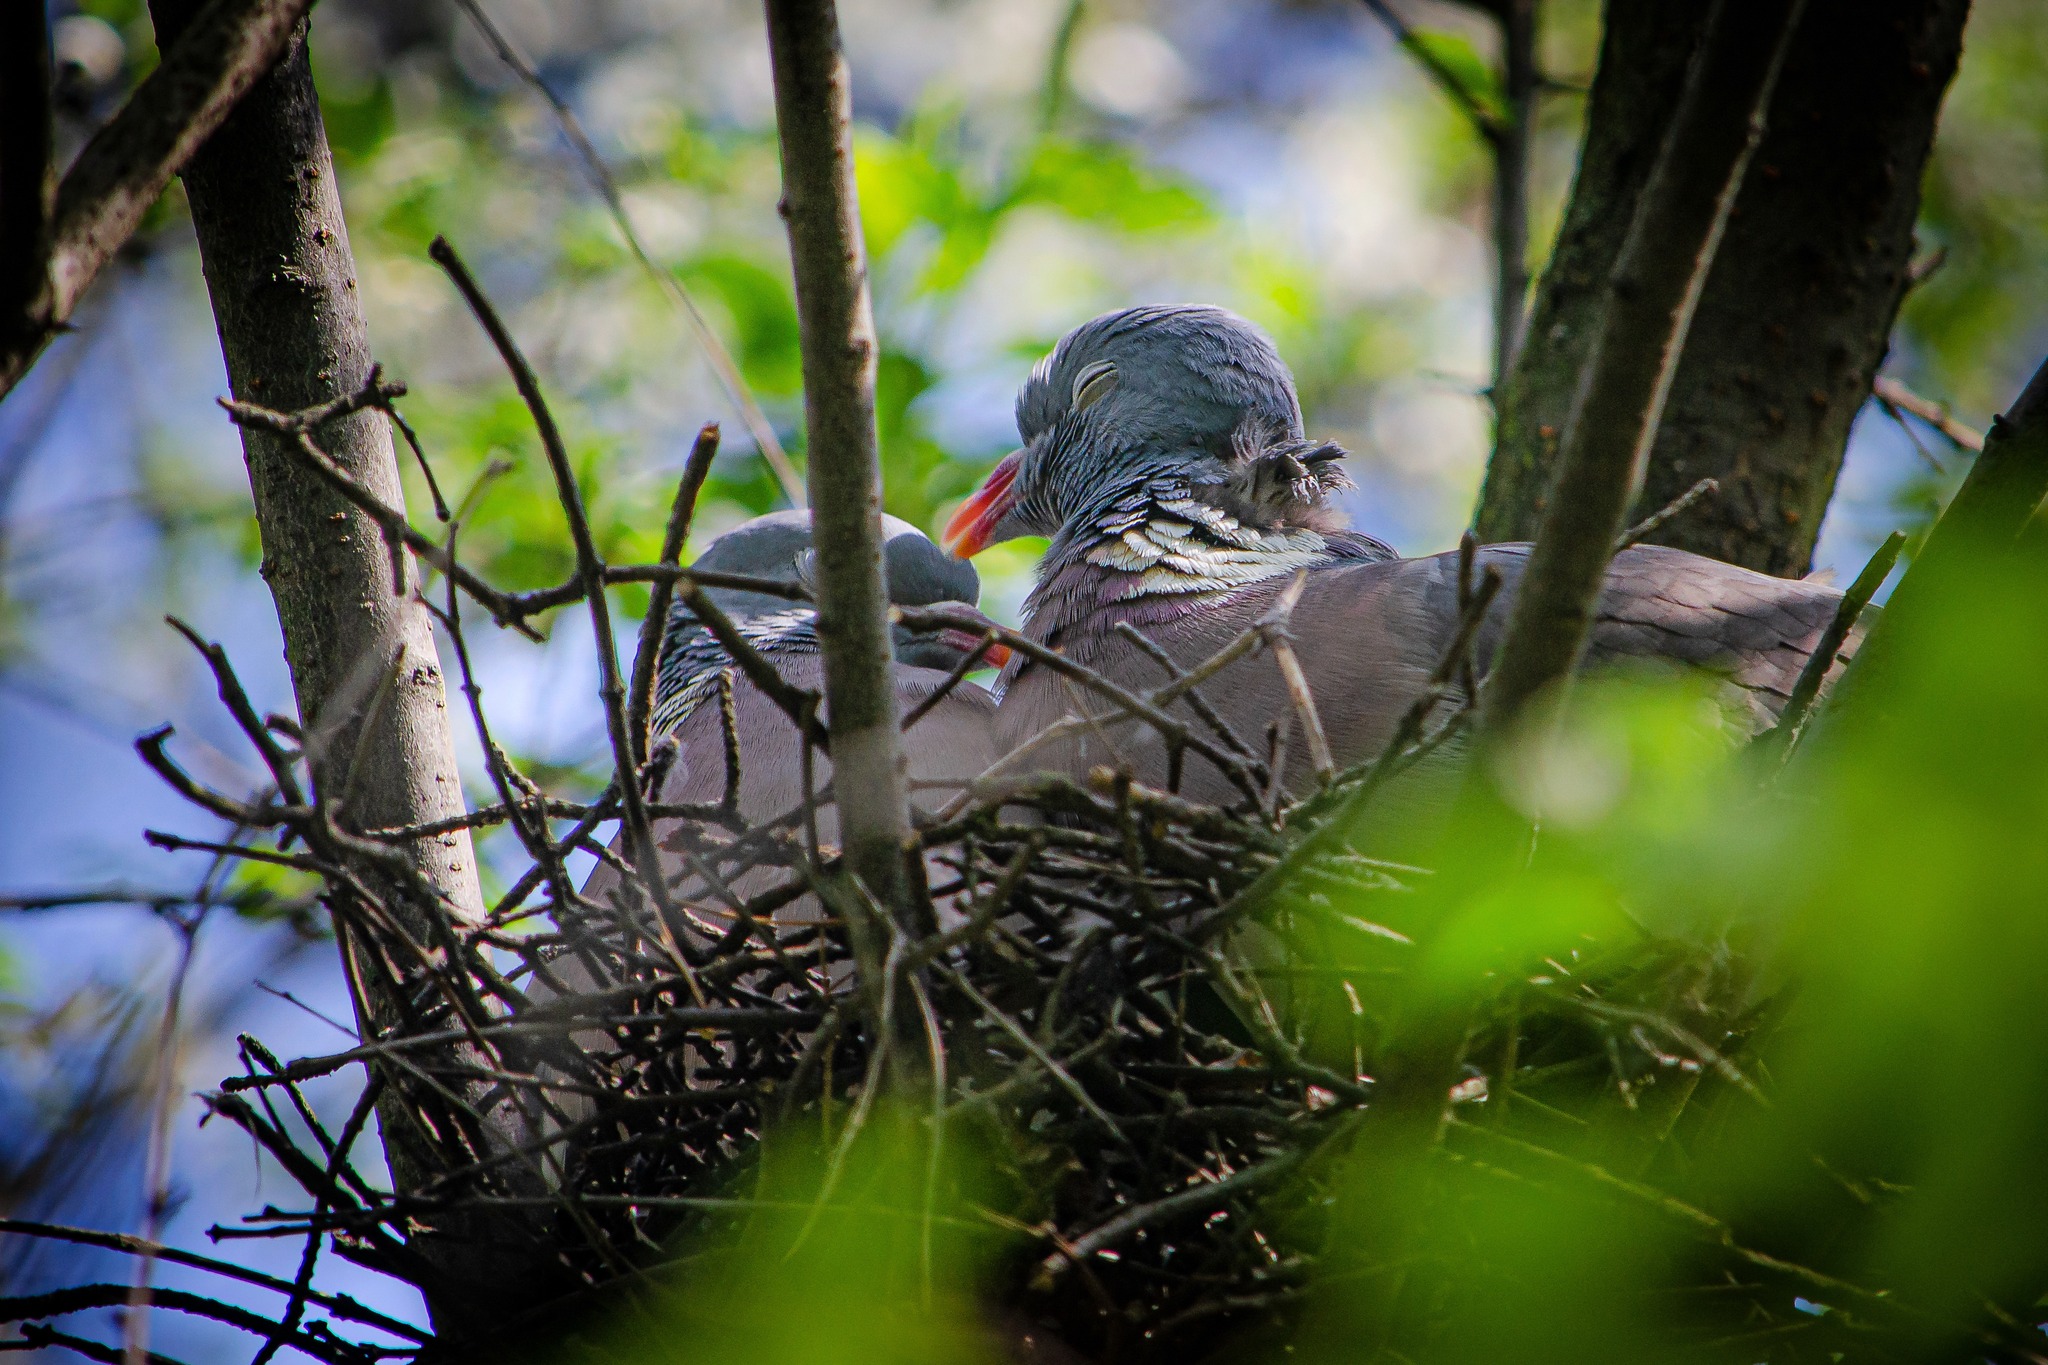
(1462, 60)
(871, 1251)
(1971, 329)
(1753, 1058)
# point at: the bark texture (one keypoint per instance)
(217, 56)
(361, 650)
(282, 281)
(1799, 308)
(1647, 308)
(813, 114)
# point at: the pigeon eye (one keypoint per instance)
(1093, 384)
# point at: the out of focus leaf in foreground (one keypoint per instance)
(874, 1256)
(1750, 1063)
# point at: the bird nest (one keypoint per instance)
(1126, 1004)
(601, 1075)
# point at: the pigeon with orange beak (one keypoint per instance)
(1164, 454)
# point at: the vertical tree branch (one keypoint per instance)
(813, 110)
(1647, 308)
(654, 628)
(1511, 184)
(360, 646)
(275, 249)
(1764, 396)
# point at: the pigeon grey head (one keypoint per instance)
(769, 547)
(1186, 392)
(778, 547)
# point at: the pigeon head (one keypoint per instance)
(917, 572)
(771, 547)
(920, 574)
(1186, 396)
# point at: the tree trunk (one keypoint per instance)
(836, 328)
(1798, 311)
(1649, 304)
(361, 649)
(282, 281)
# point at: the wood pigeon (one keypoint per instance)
(1164, 454)
(949, 745)
(953, 742)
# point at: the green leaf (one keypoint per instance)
(762, 309)
(1455, 54)
(1098, 183)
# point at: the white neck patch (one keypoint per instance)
(1181, 545)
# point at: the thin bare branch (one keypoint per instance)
(1130, 706)
(1894, 393)
(600, 176)
(654, 628)
(340, 1305)
(590, 568)
(390, 520)
(1196, 1199)
(1273, 629)
(1650, 525)
(237, 701)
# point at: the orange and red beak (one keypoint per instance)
(973, 527)
(958, 629)
(997, 655)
